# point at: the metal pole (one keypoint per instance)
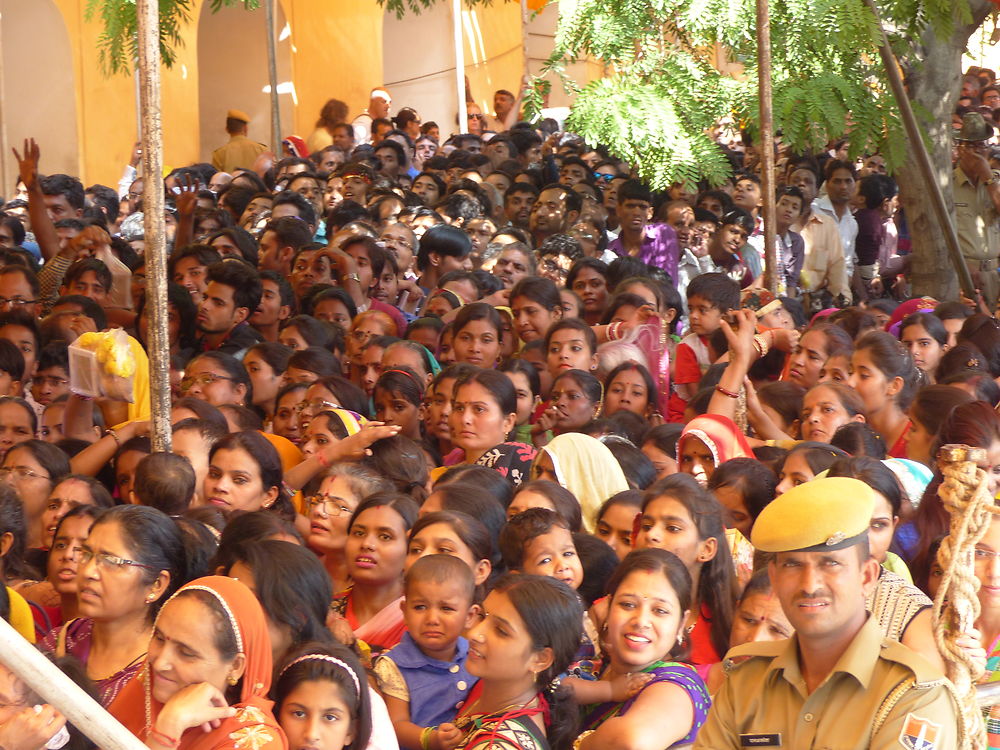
(525, 21)
(156, 246)
(272, 77)
(923, 160)
(4, 149)
(64, 695)
(766, 143)
(138, 105)
(463, 114)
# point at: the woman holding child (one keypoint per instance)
(528, 636)
(651, 597)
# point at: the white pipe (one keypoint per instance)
(272, 77)
(60, 692)
(463, 115)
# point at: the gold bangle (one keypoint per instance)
(762, 345)
(111, 431)
(579, 740)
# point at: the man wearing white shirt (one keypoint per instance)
(379, 102)
(841, 180)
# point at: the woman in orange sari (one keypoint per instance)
(207, 675)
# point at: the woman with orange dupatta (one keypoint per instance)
(207, 674)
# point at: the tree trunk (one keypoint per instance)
(934, 83)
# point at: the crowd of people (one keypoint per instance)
(478, 442)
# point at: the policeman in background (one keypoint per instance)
(836, 682)
(240, 151)
(977, 205)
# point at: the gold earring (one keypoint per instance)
(232, 680)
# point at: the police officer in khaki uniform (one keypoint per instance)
(977, 205)
(240, 151)
(836, 683)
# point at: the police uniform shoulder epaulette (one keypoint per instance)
(924, 672)
(753, 651)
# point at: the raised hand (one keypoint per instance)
(28, 164)
(740, 340)
(136, 156)
(186, 201)
(356, 446)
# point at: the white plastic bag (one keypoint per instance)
(102, 365)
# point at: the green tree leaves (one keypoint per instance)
(118, 39)
(661, 94)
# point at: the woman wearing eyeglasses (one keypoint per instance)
(33, 468)
(132, 561)
(217, 378)
(341, 489)
(331, 392)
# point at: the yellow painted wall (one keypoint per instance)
(106, 120)
(336, 54)
(179, 96)
(494, 54)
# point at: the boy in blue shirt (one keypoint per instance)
(423, 679)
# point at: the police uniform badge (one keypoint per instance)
(918, 733)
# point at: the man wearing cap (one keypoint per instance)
(977, 205)
(836, 682)
(240, 151)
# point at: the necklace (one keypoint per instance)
(147, 695)
(132, 663)
(514, 705)
(470, 723)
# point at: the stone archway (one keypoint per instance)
(39, 98)
(232, 74)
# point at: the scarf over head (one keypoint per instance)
(587, 468)
(254, 726)
(719, 434)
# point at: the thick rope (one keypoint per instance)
(964, 494)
